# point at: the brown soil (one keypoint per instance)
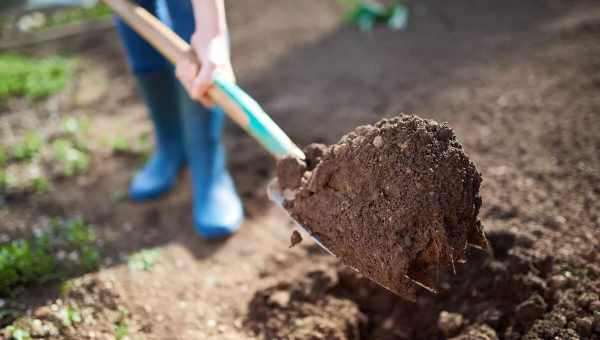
(517, 81)
(395, 200)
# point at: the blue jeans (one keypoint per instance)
(143, 58)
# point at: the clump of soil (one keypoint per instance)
(395, 200)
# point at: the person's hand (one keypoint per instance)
(213, 55)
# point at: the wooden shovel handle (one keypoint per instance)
(236, 103)
(161, 37)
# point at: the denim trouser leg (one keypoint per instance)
(142, 57)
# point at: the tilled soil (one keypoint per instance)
(516, 80)
(397, 200)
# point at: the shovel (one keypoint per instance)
(236, 103)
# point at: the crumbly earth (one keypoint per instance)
(302, 309)
(395, 200)
(518, 80)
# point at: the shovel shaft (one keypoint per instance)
(236, 103)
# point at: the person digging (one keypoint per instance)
(186, 133)
(395, 200)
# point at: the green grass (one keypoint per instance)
(121, 330)
(78, 14)
(62, 249)
(33, 79)
(18, 333)
(68, 158)
(121, 327)
(33, 162)
(28, 147)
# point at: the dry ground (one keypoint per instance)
(517, 80)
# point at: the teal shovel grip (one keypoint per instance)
(258, 123)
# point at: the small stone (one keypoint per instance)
(597, 322)
(479, 332)
(37, 328)
(211, 323)
(530, 310)
(450, 323)
(586, 299)
(280, 298)
(378, 141)
(295, 238)
(595, 306)
(584, 326)
(559, 319)
(238, 323)
(43, 312)
(558, 281)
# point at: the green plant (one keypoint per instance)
(22, 262)
(69, 316)
(365, 14)
(121, 327)
(3, 180)
(36, 260)
(18, 333)
(71, 160)
(121, 330)
(27, 148)
(40, 184)
(31, 78)
(144, 259)
(119, 144)
(74, 15)
(74, 126)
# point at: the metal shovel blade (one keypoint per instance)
(275, 195)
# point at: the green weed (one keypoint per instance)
(18, 333)
(70, 160)
(28, 147)
(74, 15)
(121, 327)
(32, 78)
(121, 330)
(3, 180)
(69, 316)
(38, 259)
(40, 184)
(144, 259)
(74, 126)
(119, 144)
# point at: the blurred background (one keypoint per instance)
(517, 80)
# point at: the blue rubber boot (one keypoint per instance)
(218, 210)
(159, 174)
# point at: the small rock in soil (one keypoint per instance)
(450, 323)
(295, 238)
(478, 332)
(530, 310)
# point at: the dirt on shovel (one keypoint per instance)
(397, 200)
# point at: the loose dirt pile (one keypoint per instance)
(519, 293)
(395, 200)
